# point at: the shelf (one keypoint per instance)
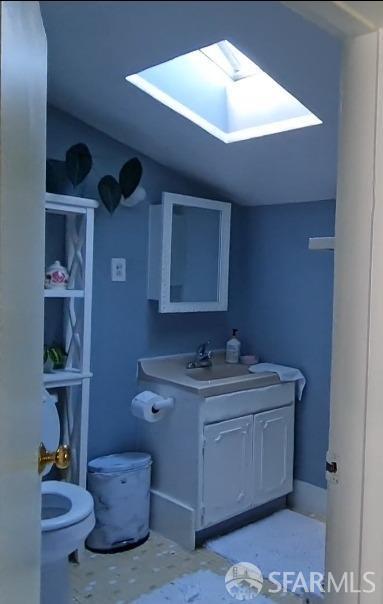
(65, 378)
(321, 243)
(68, 203)
(63, 293)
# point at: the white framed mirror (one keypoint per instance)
(189, 247)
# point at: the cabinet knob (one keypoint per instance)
(61, 457)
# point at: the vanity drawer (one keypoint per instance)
(246, 402)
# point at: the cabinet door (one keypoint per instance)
(273, 453)
(227, 469)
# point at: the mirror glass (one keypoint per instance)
(195, 250)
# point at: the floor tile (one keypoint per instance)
(125, 577)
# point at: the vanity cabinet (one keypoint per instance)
(247, 461)
(218, 456)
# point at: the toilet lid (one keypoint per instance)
(51, 425)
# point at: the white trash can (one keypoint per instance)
(120, 485)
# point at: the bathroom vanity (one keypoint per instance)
(224, 449)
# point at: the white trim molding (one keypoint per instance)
(341, 19)
(308, 499)
(355, 528)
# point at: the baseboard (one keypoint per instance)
(308, 499)
(173, 519)
(237, 522)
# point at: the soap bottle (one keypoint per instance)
(233, 348)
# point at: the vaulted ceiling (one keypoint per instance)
(92, 46)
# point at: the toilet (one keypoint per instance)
(67, 517)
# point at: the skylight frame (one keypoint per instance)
(226, 57)
(240, 134)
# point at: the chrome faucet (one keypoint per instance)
(203, 357)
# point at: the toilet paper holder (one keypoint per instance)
(151, 406)
(163, 403)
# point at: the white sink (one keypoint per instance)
(220, 378)
(217, 372)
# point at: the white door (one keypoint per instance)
(354, 536)
(273, 454)
(22, 187)
(355, 489)
(227, 469)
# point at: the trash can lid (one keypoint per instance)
(119, 462)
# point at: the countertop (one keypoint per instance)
(172, 370)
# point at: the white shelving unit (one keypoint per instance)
(74, 380)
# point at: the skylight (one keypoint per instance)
(231, 60)
(225, 93)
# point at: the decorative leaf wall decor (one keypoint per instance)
(130, 176)
(78, 162)
(76, 167)
(110, 192)
(56, 178)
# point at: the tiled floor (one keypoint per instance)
(122, 578)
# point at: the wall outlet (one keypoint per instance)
(118, 269)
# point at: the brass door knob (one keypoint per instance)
(61, 457)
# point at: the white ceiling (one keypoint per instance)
(92, 46)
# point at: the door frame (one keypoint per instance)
(354, 540)
(355, 496)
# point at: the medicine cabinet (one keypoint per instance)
(189, 247)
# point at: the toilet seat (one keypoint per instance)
(70, 505)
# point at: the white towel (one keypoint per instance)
(285, 374)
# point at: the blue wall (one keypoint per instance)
(285, 311)
(280, 298)
(125, 325)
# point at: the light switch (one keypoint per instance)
(118, 269)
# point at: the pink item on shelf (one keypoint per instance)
(56, 276)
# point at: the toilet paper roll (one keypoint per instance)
(151, 407)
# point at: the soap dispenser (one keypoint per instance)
(233, 348)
